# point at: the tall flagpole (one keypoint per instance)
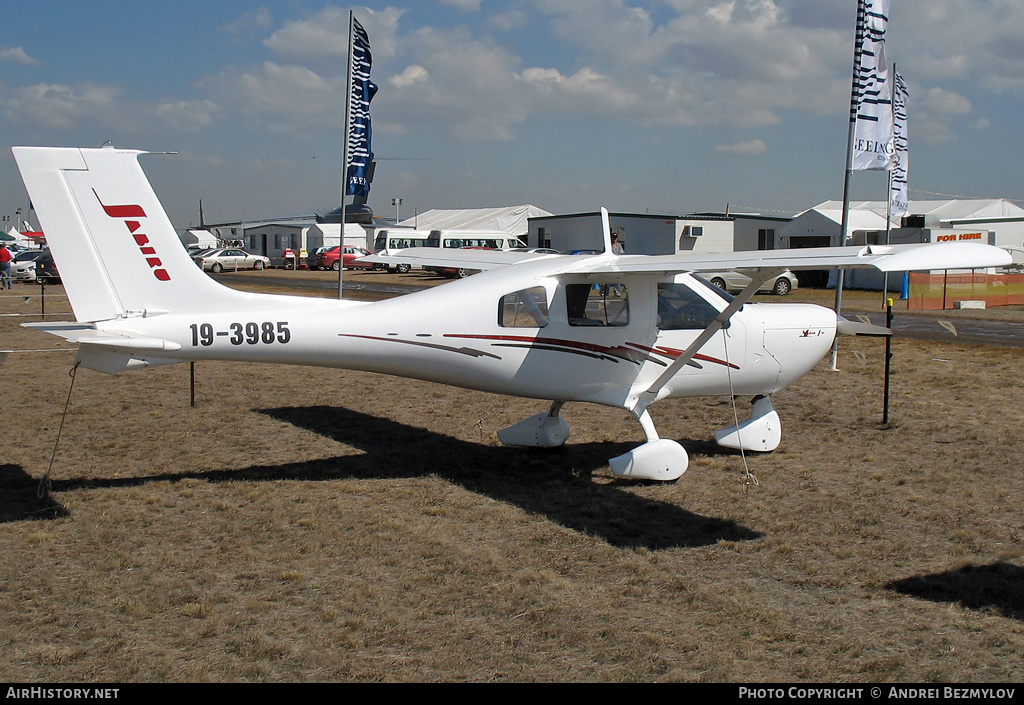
(345, 150)
(888, 191)
(858, 46)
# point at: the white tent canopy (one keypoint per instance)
(511, 220)
(937, 211)
(203, 238)
(20, 239)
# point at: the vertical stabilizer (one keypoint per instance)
(115, 248)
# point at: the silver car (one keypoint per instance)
(734, 281)
(229, 259)
(23, 266)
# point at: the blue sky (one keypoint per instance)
(661, 106)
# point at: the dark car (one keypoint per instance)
(46, 270)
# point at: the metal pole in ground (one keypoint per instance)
(888, 359)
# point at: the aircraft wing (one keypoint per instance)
(451, 257)
(886, 258)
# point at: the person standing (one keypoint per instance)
(5, 266)
(617, 248)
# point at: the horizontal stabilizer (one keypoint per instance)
(85, 334)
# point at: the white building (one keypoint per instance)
(1003, 218)
(329, 234)
(645, 234)
(994, 221)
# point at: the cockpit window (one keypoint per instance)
(527, 308)
(682, 308)
(597, 304)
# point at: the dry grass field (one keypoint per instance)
(317, 525)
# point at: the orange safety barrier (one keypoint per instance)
(937, 291)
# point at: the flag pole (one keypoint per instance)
(888, 230)
(888, 199)
(345, 149)
(858, 45)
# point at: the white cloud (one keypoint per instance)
(186, 115)
(251, 23)
(63, 106)
(944, 102)
(412, 74)
(290, 98)
(472, 89)
(17, 55)
(586, 92)
(464, 5)
(744, 149)
(323, 37)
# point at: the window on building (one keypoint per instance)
(766, 239)
(527, 308)
(600, 304)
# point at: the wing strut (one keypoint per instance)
(606, 231)
(758, 278)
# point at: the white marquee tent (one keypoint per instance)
(512, 220)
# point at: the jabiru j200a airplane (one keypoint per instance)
(620, 330)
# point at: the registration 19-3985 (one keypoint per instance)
(251, 333)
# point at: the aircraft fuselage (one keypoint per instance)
(455, 334)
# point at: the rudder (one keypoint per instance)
(115, 248)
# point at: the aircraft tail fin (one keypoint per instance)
(115, 248)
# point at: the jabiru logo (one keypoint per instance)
(128, 214)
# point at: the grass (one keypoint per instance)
(366, 528)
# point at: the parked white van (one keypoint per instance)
(491, 239)
(400, 239)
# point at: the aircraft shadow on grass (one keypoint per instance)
(553, 483)
(998, 586)
(21, 498)
(550, 482)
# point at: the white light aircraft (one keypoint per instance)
(620, 330)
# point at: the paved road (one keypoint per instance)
(930, 327)
(905, 325)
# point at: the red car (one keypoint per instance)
(327, 258)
